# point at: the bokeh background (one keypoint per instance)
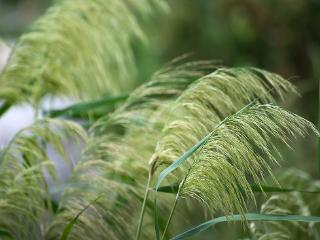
(279, 36)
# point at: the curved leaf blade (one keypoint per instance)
(249, 217)
(71, 224)
(86, 107)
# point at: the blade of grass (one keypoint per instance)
(71, 224)
(87, 107)
(249, 217)
(156, 217)
(167, 171)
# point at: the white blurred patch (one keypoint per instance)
(56, 103)
(14, 120)
(21, 116)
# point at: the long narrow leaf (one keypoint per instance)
(87, 107)
(167, 171)
(72, 223)
(156, 217)
(180, 161)
(249, 216)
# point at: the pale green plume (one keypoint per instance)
(209, 100)
(115, 161)
(295, 203)
(76, 49)
(161, 112)
(25, 201)
(117, 167)
(242, 147)
(164, 87)
(239, 148)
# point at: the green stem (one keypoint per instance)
(170, 216)
(143, 209)
(175, 204)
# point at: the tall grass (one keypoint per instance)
(210, 133)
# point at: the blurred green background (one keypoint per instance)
(279, 36)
